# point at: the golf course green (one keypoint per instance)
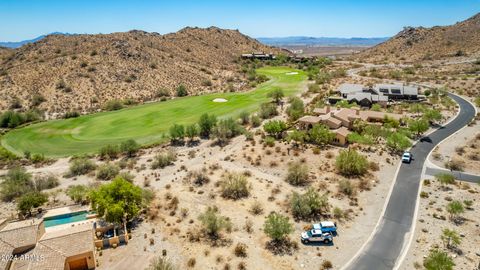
(147, 123)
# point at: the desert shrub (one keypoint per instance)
(256, 208)
(445, 179)
(267, 110)
(277, 227)
(240, 250)
(129, 147)
(192, 131)
(296, 108)
(360, 139)
(437, 260)
(455, 164)
(297, 174)
(80, 166)
(110, 151)
(113, 105)
(338, 213)
(255, 120)
(308, 205)
(199, 177)
(78, 193)
(455, 208)
(181, 91)
(37, 99)
(107, 171)
(31, 200)
(177, 133)
(16, 183)
(346, 187)
(37, 158)
(276, 94)
(45, 182)
(351, 163)
(161, 263)
(162, 92)
(269, 141)
(226, 129)
(327, 265)
(213, 223)
(71, 114)
(127, 176)
(244, 117)
(164, 159)
(235, 186)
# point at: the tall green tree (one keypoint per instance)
(276, 94)
(129, 147)
(398, 142)
(298, 136)
(31, 200)
(418, 126)
(321, 135)
(118, 201)
(177, 133)
(275, 127)
(192, 131)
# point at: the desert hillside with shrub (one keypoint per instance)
(420, 43)
(63, 73)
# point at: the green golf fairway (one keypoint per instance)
(147, 123)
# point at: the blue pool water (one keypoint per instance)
(65, 218)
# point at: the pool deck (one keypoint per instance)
(65, 210)
(70, 225)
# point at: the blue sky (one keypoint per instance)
(25, 19)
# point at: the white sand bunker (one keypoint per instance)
(219, 100)
(291, 73)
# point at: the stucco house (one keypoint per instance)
(341, 120)
(66, 249)
(379, 94)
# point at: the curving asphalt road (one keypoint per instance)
(385, 247)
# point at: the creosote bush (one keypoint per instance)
(235, 186)
(16, 183)
(297, 174)
(346, 187)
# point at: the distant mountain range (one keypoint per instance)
(321, 41)
(18, 44)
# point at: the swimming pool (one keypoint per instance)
(66, 218)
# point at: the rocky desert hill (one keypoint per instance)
(82, 72)
(412, 44)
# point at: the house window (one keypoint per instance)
(383, 90)
(396, 91)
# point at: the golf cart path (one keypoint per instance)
(395, 226)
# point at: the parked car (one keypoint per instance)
(407, 157)
(326, 226)
(316, 236)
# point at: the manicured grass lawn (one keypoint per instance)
(147, 124)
